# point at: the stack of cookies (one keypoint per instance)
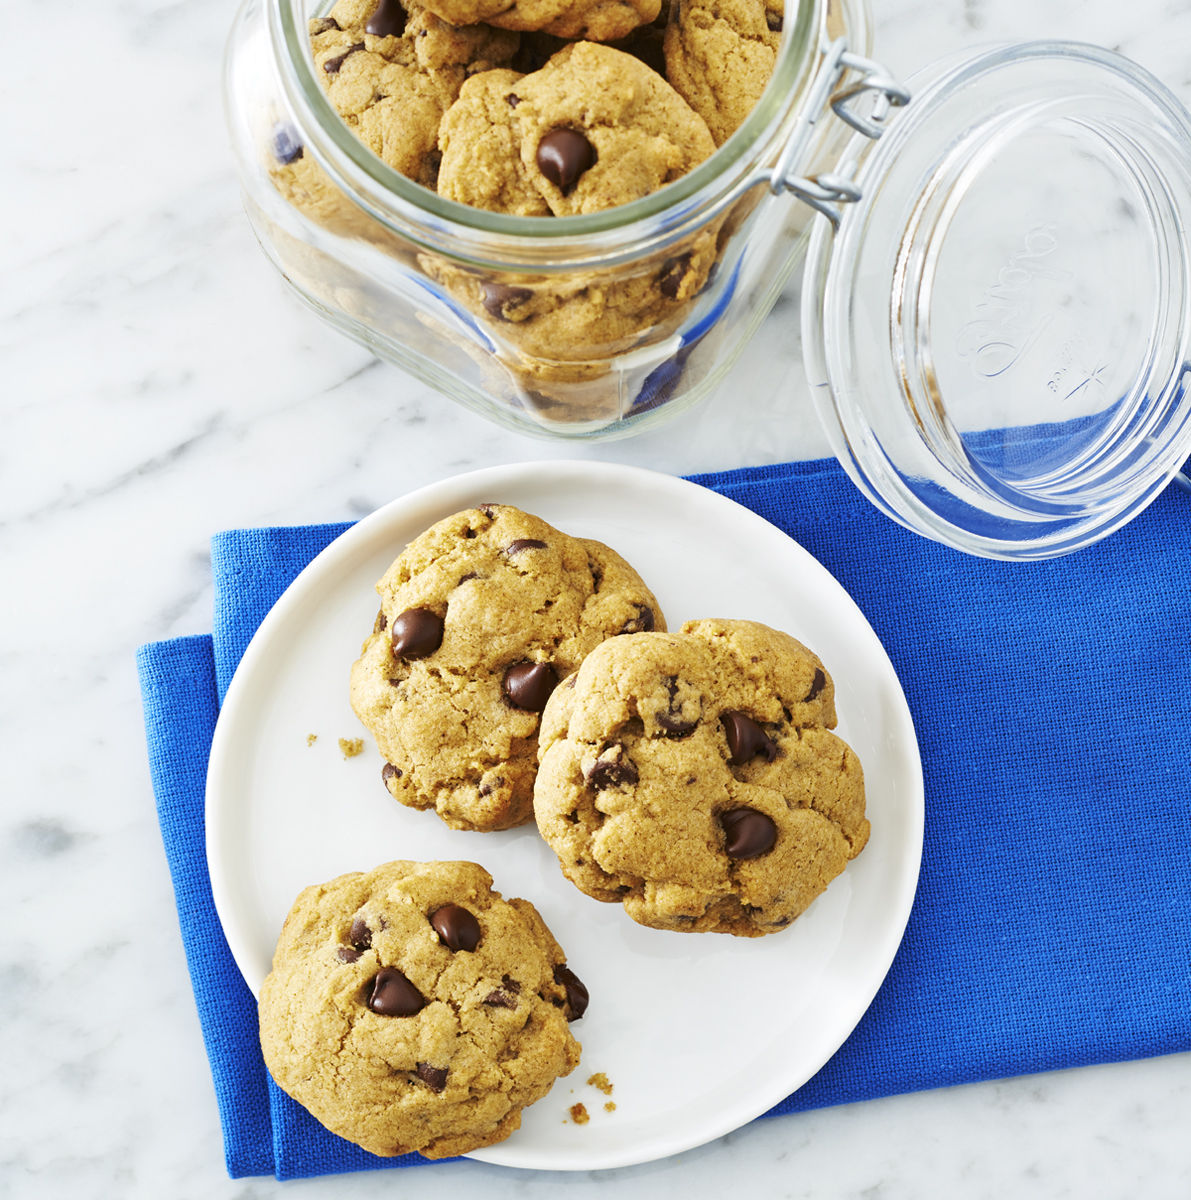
(537, 108)
(516, 673)
(545, 107)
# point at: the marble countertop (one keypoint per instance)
(161, 384)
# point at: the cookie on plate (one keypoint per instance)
(412, 1008)
(694, 778)
(481, 617)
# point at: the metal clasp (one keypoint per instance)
(876, 81)
(827, 192)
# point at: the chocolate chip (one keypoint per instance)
(464, 578)
(528, 685)
(323, 25)
(332, 65)
(524, 544)
(563, 155)
(673, 273)
(817, 685)
(748, 833)
(643, 622)
(774, 21)
(613, 768)
(286, 146)
(381, 623)
(417, 633)
(393, 995)
(435, 1078)
(504, 996)
(456, 927)
(746, 739)
(498, 298)
(388, 771)
(387, 20)
(577, 996)
(348, 954)
(673, 721)
(360, 935)
(512, 101)
(431, 163)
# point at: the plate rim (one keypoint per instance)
(463, 488)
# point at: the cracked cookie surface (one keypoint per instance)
(481, 617)
(412, 1008)
(594, 128)
(694, 778)
(719, 57)
(599, 20)
(392, 72)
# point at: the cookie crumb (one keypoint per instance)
(610, 1106)
(601, 1081)
(351, 746)
(311, 738)
(579, 1114)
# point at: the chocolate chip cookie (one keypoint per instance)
(719, 57)
(481, 617)
(599, 20)
(392, 71)
(412, 1008)
(594, 128)
(567, 327)
(694, 778)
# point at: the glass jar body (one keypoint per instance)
(597, 333)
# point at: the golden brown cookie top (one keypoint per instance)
(592, 129)
(720, 55)
(412, 1008)
(481, 617)
(694, 778)
(599, 20)
(392, 73)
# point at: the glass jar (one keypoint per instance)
(576, 327)
(996, 308)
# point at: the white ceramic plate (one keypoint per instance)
(698, 1033)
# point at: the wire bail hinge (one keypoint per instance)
(826, 192)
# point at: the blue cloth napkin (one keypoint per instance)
(1052, 926)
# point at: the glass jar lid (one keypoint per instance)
(998, 332)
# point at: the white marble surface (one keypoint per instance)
(159, 384)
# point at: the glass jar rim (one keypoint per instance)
(448, 226)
